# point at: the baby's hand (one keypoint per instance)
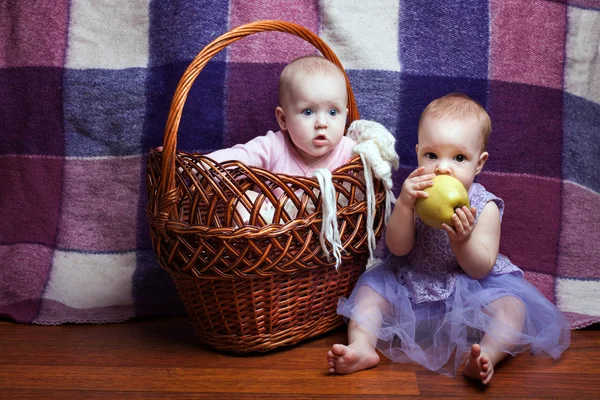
(413, 187)
(464, 223)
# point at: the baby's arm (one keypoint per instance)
(400, 231)
(477, 253)
(258, 152)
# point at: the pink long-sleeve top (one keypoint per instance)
(275, 153)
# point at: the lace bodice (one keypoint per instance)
(429, 271)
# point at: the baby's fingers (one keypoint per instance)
(423, 184)
(450, 230)
(421, 181)
(416, 172)
(473, 212)
(466, 215)
(421, 178)
(460, 222)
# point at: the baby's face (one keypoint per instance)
(313, 111)
(451, 147)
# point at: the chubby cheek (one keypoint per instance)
(337, 139)
(428, 168)
(466, 182)
(422, 162)
(299, 130)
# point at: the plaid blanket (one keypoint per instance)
(85, 89)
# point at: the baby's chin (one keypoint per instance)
(313, 155)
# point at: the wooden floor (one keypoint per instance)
(161, 359)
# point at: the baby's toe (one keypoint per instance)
(338, 350)
(487, 380)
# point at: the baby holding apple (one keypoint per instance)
(444, 297)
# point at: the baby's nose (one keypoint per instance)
(321, 121)
(442, 169)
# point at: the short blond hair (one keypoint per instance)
(309, 65)
(459, 106)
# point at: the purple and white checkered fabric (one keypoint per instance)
(85, 89)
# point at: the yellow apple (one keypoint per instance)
(446, 195)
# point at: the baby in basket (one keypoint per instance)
(312, 115)
(312, 112)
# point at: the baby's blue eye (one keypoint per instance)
(333, 112)
(460, 158)
(308, 112)
(431, 156)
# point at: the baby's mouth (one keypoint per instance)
(320, 140)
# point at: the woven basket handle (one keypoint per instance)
(167, 189)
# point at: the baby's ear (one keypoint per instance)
(481, 162)
(280, 118)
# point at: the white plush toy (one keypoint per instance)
(377, 149)
(377, 146)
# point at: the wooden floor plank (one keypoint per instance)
(205, 380)
(573, 385)
(161, 358)
(100, 395)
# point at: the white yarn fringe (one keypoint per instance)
(371, 242)
(329, 227)
(377, 149)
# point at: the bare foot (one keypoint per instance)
(478, 365)
(352, 358)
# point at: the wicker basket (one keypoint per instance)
(262, 285)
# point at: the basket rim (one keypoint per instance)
(273, 229)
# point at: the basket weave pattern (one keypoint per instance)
(258, 285)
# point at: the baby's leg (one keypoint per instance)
(507, 311)
(360, 352)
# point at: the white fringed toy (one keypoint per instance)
(377, 149)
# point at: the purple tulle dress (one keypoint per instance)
(432, 312)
